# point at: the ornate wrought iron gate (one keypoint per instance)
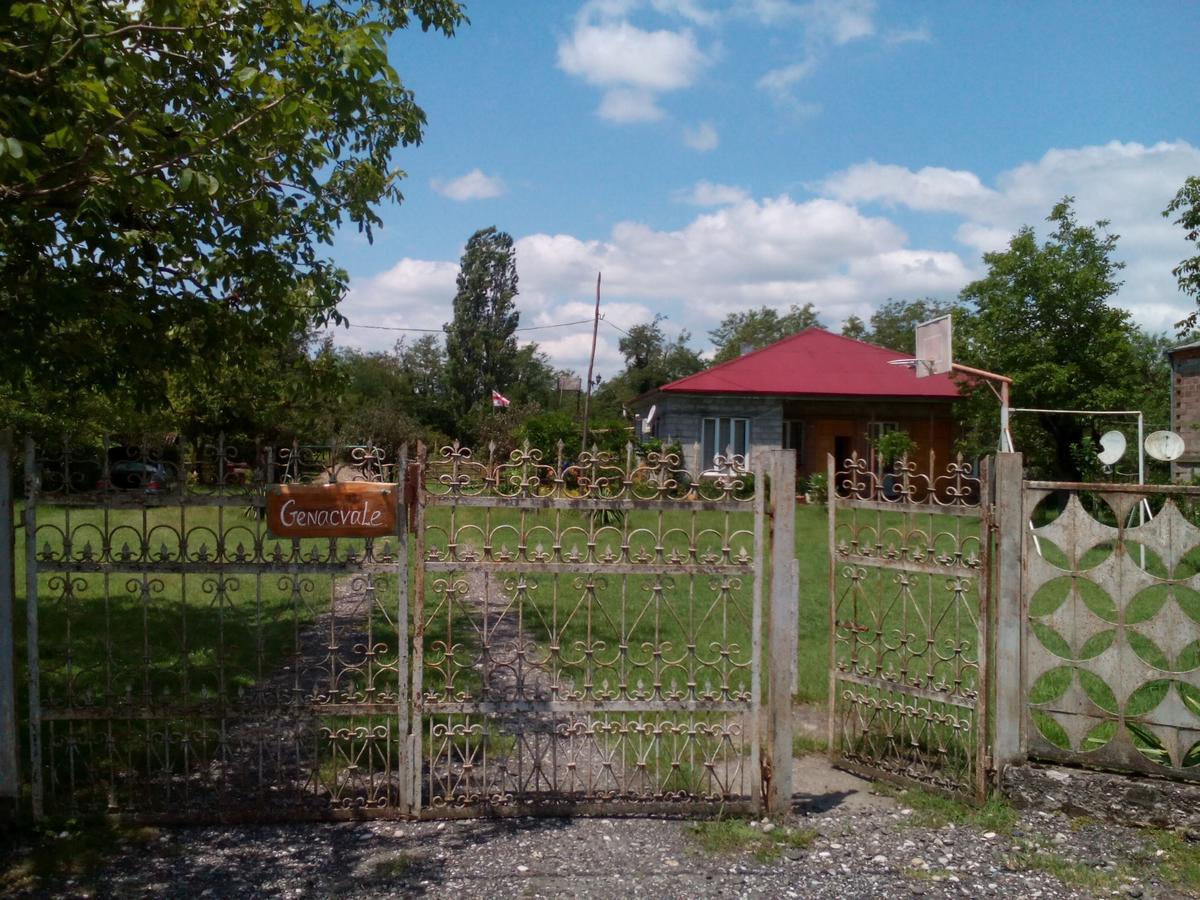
(584, 636)
(588, 634)
(909, 590)
(185, 665)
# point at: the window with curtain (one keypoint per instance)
(720, 435)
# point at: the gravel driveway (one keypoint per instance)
(859, 843)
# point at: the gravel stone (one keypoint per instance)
(863, 848)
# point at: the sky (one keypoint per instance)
(706, 157)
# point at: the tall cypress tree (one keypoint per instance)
(481, 348)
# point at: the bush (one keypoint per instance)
(546, 430)
(818, 488)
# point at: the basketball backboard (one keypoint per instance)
(935, 347)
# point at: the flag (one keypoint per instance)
(498, 399)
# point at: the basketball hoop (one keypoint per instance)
(913, 364)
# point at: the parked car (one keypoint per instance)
(135, 475)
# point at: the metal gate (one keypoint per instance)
(589, 633)
(184, 664)
(909, 586)
(584, 636)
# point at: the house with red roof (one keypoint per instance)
(816, 392)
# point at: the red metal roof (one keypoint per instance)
(816, 362)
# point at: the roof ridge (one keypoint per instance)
(755, 352)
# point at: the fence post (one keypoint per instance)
(782, 625)
(1008, 669)
(10, 773)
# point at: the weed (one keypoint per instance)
(806, 744)
(931, 810)
(1072, 873)
(394, 866)
(724, 836)
(1180, 860)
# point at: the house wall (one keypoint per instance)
(678, 418)
(930, 423)
(1185, 410)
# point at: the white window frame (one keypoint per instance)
(876, 430)
(793, 429)
(707, 464)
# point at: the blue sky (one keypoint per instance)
(713, 156)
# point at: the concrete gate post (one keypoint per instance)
(1010, 518)
(782, 625)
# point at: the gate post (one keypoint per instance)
(782, 625)
(10, 773)
(1007, 743)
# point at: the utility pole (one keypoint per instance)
(587, 402)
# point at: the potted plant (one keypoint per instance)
(889, 448)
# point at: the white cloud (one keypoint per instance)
(622, 54)
(1127, 183)
(931, 188)
(781, 80)
(841, 21)
(702, 138)
(826, 24)
(705, 193)
(633, 65)
(624, 105)
(414, 293)
(774, 251)
(833, 251)
(689, 10)
(475, 185)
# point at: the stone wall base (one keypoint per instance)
(1124, 799)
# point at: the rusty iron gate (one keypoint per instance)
(908, 587)
(589, 633)
(584, 636)
(184, 664)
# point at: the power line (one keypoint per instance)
(618, 327)
(439, 330)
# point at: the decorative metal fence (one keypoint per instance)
(909, 623)
(584, 635)
(1111, 613)
(183, 664)
(589, 633)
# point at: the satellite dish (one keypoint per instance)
(1165, 445)
(650, 415)
(1112, 447)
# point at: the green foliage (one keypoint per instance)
(756, 328)
(734, 835)
(894, 445)
(481, 345)
(930, 810)
(650, 362)
(818, 488)
(389, 398)
(170, 170)
(1186, 206)
(611, 434)
(894, 324)
(547, 430)
(856, 328)
(1042, 318)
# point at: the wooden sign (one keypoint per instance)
(350, 509)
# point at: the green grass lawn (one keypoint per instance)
(103, 630)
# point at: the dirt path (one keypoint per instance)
(550, 752)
